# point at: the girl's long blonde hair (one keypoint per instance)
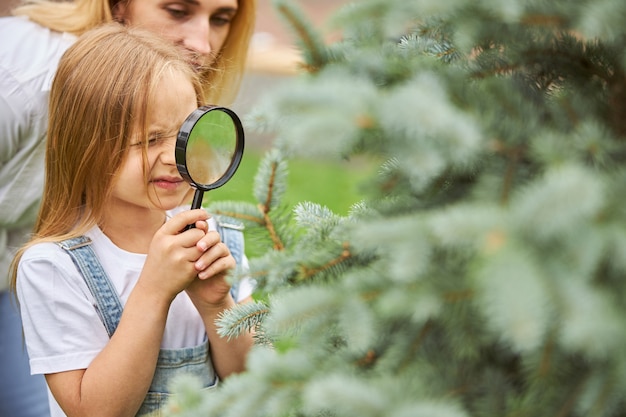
(99, 101)
(220, 83)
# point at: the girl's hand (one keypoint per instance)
(210, 289)
(171, 262)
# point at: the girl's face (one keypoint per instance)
(199, 27)
(174, 99)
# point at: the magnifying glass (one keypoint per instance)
(209, 148)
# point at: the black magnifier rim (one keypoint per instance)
(183, 138)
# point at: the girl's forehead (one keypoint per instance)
(173, 99)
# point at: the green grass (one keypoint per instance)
(333, 184)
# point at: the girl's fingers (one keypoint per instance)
(214, 253)
(218, 266)
(202, 225)
(181, 220)
(210, 239)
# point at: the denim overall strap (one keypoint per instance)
(231, 232)
(108, 303)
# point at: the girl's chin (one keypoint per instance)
(169, 203)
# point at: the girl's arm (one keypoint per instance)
(117, 380)
(210, 293)
(228, 355)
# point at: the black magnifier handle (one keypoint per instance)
(195, 204)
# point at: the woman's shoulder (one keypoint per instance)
(21, 27)
(19, 23)
(30, 48)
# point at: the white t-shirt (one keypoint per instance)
(29, 56)
(62, 329)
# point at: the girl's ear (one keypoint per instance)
(118, 10)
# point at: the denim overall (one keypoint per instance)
(171, 362)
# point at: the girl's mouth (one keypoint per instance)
(167, 183)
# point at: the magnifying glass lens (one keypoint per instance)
(209, 148)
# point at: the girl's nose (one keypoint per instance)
(168, 152)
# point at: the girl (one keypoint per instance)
(106, 237)
(214, 36)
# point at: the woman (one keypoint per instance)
(214, 36)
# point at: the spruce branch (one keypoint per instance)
(458, 296)
(270, 181)
(269, 187)
(417, 343)
(238, 215)
(513, 156)
(367, 360)
(546, 357)
(617, 104)
(314, 49)
(570, 403)
(266, 206)
(306, 272)
(545, 20)
(241, 318)
(269, 225)
(600, 405)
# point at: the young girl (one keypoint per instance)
(214, 36)
(115, 297)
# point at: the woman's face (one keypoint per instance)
(199, 27)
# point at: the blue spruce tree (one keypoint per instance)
(484, 274)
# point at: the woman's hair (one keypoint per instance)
(220, 83)
(99, 102)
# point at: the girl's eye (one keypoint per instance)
(151, 142)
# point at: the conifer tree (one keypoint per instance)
(484, 273)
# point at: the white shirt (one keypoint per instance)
(62, 328)
(29, 55)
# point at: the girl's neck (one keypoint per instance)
(132, 234)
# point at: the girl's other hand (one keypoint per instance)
(211, 288)
(171, 262)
